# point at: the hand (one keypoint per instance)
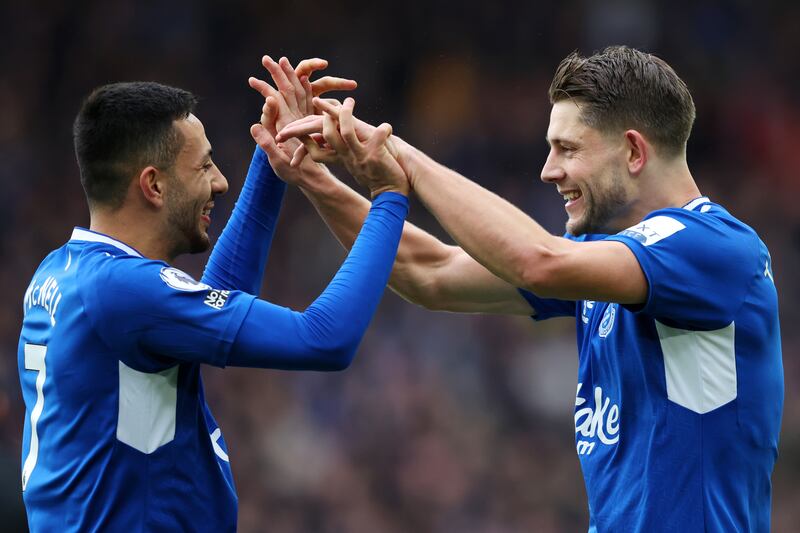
(362, 149)
(294, 86)
(291, 101)
(279, 154)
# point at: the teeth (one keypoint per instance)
(572, 195)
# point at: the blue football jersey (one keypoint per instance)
(118, 436)
(679, 400)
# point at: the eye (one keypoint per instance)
(208, 166)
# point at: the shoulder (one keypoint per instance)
(128, 282)
(709, 228)
(115, 270)
(699, 263)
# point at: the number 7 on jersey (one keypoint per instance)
(34, 360)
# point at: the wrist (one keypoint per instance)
(374, 193)
(409, 159)
(316, 178)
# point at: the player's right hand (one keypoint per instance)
(291, 101)
(367, 152)
(294, 86)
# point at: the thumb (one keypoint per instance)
(262, 137)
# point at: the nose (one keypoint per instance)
(552, 171)
(219, 185)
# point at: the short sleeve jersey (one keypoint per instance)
(679, 400)
(118, 435)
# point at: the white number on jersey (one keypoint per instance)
(34, 360)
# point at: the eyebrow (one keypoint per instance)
(207, 156)
(558, 140)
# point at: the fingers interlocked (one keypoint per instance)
(362, 150)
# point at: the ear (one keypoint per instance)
(151, 183)
(638, 151)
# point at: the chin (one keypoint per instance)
(200, 246)
(576, 227)
(199, 242)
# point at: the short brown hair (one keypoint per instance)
(623, 88)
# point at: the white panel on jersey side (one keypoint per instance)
(147, 407)
(700, 366)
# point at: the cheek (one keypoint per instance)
(581, 169)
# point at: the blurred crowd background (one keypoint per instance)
(444, 423)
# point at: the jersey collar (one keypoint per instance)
(691, 206)
(81, 234)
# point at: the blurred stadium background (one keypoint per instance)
(444, 422)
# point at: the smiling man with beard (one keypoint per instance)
(190, 200)
(118, 435)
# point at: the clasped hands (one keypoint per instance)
(297, 129)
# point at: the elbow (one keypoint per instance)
(337, 358)
(425, 299)
(342, 360)
(422, 288)
(439, 303)
(538, 272)
(330, 344)
(427, 296)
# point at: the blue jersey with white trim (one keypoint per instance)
(679, 400)
(118, 435)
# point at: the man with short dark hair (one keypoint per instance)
(118, 435)
(680, 385)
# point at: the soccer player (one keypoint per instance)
(680, 381)
(118, 435)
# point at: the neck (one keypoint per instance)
(138, 230)
(663, 185)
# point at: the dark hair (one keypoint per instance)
(122, 128)
(622, 88)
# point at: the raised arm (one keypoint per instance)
(239, 258)
(426, 271)
(518, 249)
(189, 321)
(326, 335)
(497, 234)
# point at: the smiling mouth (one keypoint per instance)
(570, 197)
(205, 214)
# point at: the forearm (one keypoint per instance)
(344, 210)
(496, 233)
(240, 255)
(325, 336)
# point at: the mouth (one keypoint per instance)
(205, 214)
(571, 197)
